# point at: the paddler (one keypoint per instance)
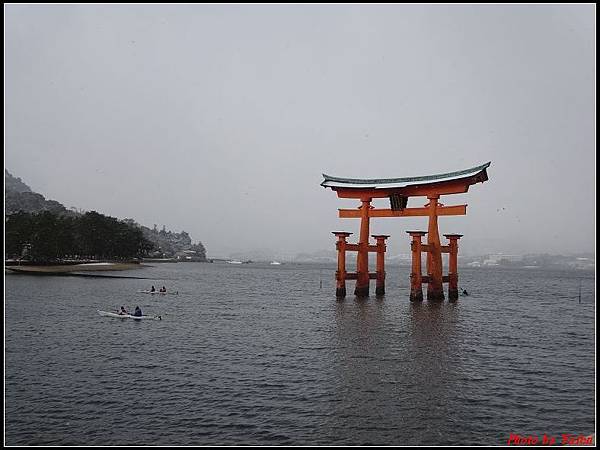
(137, 312)
(123, 311)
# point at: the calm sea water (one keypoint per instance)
(259, 354)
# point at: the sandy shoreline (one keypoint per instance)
(74, 268)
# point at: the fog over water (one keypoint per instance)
(220, 119)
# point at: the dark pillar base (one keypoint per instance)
(380, 291)
(362, 291)
(416, 296)
(436, 295)
(452, 295)
(340, 292)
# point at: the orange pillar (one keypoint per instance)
(340, 275)
(380, 286)
(362, 261)
(416, 280)
(453, 266)
(435, 289)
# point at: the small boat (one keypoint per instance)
(234, 262)
(127, 316)
(275, 263)
(159, 292)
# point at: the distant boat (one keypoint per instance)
(275, 263)
(234, 262)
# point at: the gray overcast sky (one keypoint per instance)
(220, 119)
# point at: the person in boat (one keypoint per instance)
(163, 289)
(152, 289)
(464, 292)
(137, 312)
(123, 311)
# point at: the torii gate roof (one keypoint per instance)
(394, 183)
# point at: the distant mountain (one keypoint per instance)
(170, 244)
(13, 184)
(321, 256)
(19, 197)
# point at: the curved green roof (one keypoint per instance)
(381, 183)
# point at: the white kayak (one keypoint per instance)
(127, 316)
(158, 292)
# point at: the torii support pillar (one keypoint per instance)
(340, 275)
(435, 288)
(416, 277)
(380, 280)
(453, 266)
(362, 260)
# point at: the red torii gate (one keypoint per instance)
(398, 190)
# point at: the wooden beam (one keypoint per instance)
(354, 248)
(445, 279)
(354, 275)
(454, 210)
(443, 248)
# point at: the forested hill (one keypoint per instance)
(170, 244)
(18, 197)
(14, 184)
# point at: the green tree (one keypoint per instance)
(52, 236)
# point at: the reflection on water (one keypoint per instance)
(397, 371)
(262, 355)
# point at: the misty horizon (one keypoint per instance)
(266, 254)
(219, 120)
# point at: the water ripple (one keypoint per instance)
(258, 355)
